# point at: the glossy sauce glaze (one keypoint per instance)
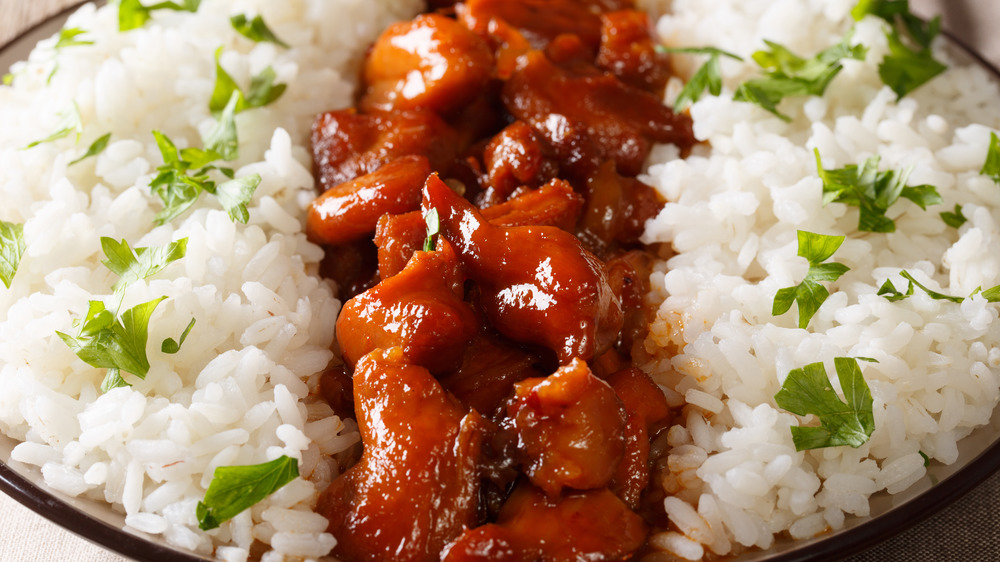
(481, 218)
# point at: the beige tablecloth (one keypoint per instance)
(968, 530)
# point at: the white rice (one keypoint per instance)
(235, 392)
(737, 477)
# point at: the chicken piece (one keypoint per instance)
(570, 428)
(431, 62)
(617, 210)
(420, 310)
(335, 386)
(553, 204)
(488, 373)
(398, 237)
(352, 266)
(629, 52)
(539, 285)
(532, 527)
(629, 275)
(350, 211)
(514, 158)
(538, 21)
(589, 118)
(347, 145)
(647, 408)
(416, 486)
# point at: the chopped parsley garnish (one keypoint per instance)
(709, 76)
(808, 391)
(788, 74)
(927, 460)
(116, 344)
(171, 346)
(223, 138)
(810, 294)
(135, 264)
(69, 122)
(8, 79)
(68, 38)
(228, 99)
(12, 247)
(95, 148)
(889, 291)
(105, 341)
(991, 167)
(236, 488)
(954, 219)
(133, 15)
(255, 29)
(184, 175)
(873, 192)
(433, 228)
(904, 69)
(263, 90)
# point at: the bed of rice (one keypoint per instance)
(236, 392)
(738, 480)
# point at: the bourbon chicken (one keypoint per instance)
(481, 218)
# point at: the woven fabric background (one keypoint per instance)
(968, 530)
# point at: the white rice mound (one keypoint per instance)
(732, 218)
(236, 392)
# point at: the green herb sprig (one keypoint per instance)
(707, 77)
(810, 294)
(788, 74)
(905, 68)
(70, 122)
(991, 167)
(12, 247)
(433, 222)
(236, 488)
(889, 291)
(808, 391)
(184, 175)
(132, 14)
(255, 29)
(872, 191)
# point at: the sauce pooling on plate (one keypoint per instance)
(482, 217)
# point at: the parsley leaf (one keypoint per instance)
(709, 76)
(68, 38)
(889, 291)
(954, 219)
(234, 195)
(8, 79)
(105, 342)
(69, 122)
(809, 294)
(255, 29)
(433, 222)
(223, 139)
(991, 167)
(808, 391)
(873, 192)
(169, 346)
(904, 69)
(262, 90)
(96, 148)
(236, 488)
(184, 176)
(893, 11)
(12, 247)
(133, 15)
(788, 74)
(133, 265)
